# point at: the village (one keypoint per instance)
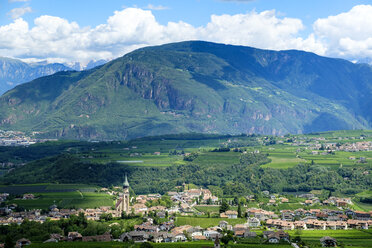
(160, 221)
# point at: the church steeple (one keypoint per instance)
(126, 184)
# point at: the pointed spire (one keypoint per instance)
(126, 184)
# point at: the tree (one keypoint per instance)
(9, 243)
(227, 238)
(224, 206)
(239, 211)
(236, 201)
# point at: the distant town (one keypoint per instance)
(159, 225)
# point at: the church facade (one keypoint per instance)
(122, 204)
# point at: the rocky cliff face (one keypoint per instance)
(195, 87)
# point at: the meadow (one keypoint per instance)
(349, 238)
(63, 195)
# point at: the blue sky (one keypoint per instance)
(291, 24)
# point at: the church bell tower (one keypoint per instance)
(123, 201)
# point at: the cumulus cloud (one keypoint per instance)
(58, 39)
(18, 12)
(348, 34)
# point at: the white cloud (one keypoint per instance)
(156, 7)
(58, 39)
(14, 1)
(18, 12)
(347, 35)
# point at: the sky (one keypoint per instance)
(81, 30)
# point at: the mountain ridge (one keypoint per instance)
(195, 86)
(14, 72)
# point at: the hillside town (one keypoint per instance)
(160, 222)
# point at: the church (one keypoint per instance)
(122, 203)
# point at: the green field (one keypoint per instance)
(285, 156)
(217, 158)
(350, 238)
(20, 189)
(63, 195)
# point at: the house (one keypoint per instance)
(267, 233)
(28, 197)
(253, 222)
(107, 237)
(139, 208)
(357, 224)
(223, 224)
(74, 236)
(273, 239)
(210, 234)
(231, 214)
(239, 233)
(359, 215)
(249, 234)
(161, 214)
(135, 236)
(300, 225)
(186, 208)
(328, 242)
(240, 227)
(166, 226)
(180, 237)
(157, 237)
(168, 237)
(56, 236)
(287, 215)
(199, 238)
(276, 237)
(340, 203)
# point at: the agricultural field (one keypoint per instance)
(73, 199)
(282, 157)
(63, 195)
(217, 159)
(285, 156)
(349, 238)
(19, 189)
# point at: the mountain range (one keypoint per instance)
(194, 86)
(14, 72)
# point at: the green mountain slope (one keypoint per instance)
(195, 86)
